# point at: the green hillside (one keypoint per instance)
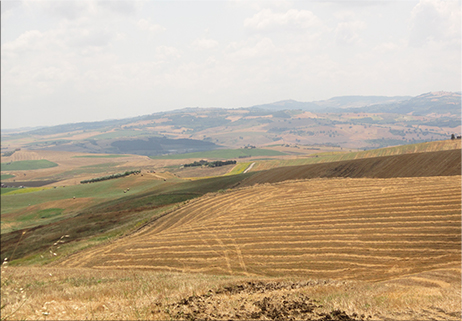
(27, 165)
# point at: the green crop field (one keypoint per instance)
(223, 154)
(20, 198)
(27, 165)
(6, 176)
(8, 190)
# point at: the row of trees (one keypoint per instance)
(210, 164)
(104, 178)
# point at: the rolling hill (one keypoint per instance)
(441, 163)
(349, 122)
(369, 237)
(361, 227)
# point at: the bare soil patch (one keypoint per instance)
(257, 300)
(441, 163)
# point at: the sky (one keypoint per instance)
(72, 61)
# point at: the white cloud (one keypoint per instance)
(121, 7)
(347, 33)
(204, 44)
(258, 5)
(29, 41)
(386, 47)
(69, 10)
(146, 25)
(9, 5)
(167, 51)
(266, 20)
(95, 60)
(436, 21)
(250, 49)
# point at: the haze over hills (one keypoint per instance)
(334, 102)
(349, 122)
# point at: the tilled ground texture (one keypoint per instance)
(356, 229)
(258, 301)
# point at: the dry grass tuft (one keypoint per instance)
(78, 294)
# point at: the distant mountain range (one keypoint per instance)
(434, 102)
(333, 103)
(428, 103)
(347, 121)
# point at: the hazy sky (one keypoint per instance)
(71, 61)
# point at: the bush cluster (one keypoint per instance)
(210, 164)
(104, 178)
(220, 163)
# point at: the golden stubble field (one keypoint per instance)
(375, 249)
(351, 229)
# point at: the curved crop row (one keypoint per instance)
(368, 229)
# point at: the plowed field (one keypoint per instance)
(440, 163)
(363, 229)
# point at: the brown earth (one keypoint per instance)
(440, 163)
(257, 300)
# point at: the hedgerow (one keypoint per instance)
(104, 178)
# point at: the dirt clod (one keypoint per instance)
(257, 301)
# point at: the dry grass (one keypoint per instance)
(35, 293)
(79, 294)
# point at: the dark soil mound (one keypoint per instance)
(256, 301)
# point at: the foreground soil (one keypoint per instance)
(36, 293)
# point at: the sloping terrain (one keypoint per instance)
(362, 229)
(440, 163)
(347, 122)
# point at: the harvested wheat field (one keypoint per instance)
(354, 229)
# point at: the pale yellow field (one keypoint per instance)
(356, 229)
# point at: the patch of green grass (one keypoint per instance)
(140, 204)
(223, 154)
(42, 214)
(17, 199)
(101, 156)
(8, 190)
(27, 165)
(14, 191)
(239, 168)
(6, 176)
